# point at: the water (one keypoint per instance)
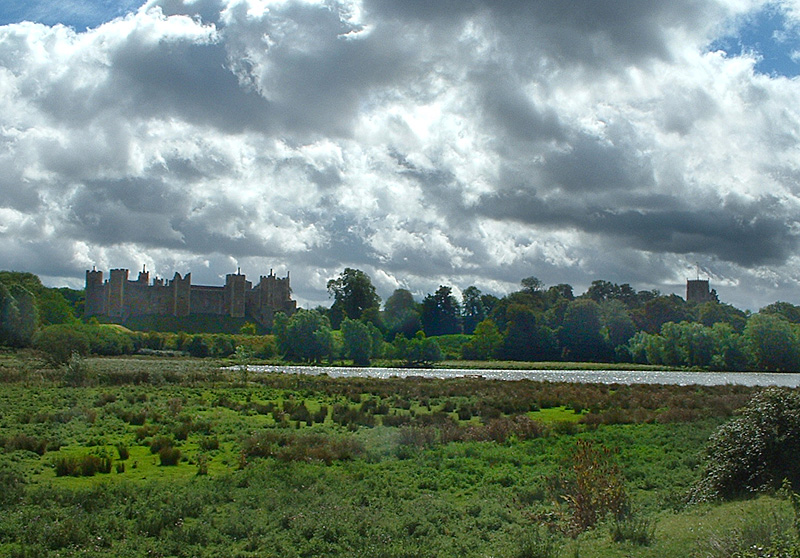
(575, 376)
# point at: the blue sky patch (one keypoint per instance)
(79, 14)
(769, 35)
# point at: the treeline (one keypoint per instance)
(607, 323)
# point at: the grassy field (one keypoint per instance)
(288, 465)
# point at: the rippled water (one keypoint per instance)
(577, 376)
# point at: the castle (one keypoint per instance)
(119, 298)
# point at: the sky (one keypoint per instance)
(457, 142)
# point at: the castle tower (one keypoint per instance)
(115, 292)
(235, 288)
(144, 276)
(181, 295)
(697, 290)
(95, 298)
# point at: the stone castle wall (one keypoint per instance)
(120, 298)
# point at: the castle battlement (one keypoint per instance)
(119, 298)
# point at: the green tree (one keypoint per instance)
(789, 311)
(357, 341)
(472, 309)
(773, 343)
(485, 343)
(9, 316)
(28, 315)
(419, 351)
(660, 310)
(441, 313)
(524, 338)
(532, 285)
(580, 333)
(401, 314)
(712, 312)
(353, 294)
(617, 322)
(306, 336)
(59, 342)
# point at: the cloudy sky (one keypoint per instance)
(458, 142)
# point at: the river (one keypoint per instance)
(577, 376)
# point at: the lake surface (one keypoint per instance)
(577, 376)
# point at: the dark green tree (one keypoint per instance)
(357, 341)
(789, 311)
(353, 294)
(524, 338)
(532, 285)
(580, 333)
(617, 322)
(472, 310)
(441, 314)
(660, 310)
(401, 314)
(9, 316)
(710, 313)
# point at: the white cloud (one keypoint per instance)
(477, 145)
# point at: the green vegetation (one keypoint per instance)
(180, 457)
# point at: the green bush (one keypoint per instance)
(169, 456)
(83, 466)
(59, 342)
(757, 450)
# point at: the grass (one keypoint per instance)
(460, 474)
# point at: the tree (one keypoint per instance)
(785, 309)
(401, 314)
(660, 310)
(617, 322)
(532, 285)
(28, 316)
(472, 310)
(441, 314)
(357, 341)
(59, 342)
(772, 342)
(9, 316)
(710, 313)
(419, 351)
(524, 338)
(353, 294)
(305, 336)
(485, 343)
(580, 332)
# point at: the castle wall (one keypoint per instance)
(208, 300)
(119, 298)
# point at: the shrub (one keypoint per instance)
(637, 530)
(169, 456)
(122, 450)
(593, 488)
(83, 466)
(160, 442)
(59, 342)
(756, 450)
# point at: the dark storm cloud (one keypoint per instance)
(189, 81)
(743, 234)
(590, 165)
(585, 31)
